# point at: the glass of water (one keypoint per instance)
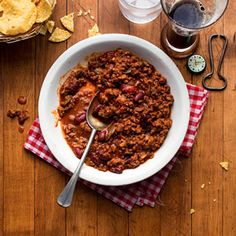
(140, 11)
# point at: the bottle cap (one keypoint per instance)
(196, 64)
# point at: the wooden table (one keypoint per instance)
(29, 187)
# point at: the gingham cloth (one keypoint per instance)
(146, 191)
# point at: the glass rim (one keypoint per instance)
(144, 8)
(196, 28)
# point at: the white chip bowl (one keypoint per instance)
(48, 102)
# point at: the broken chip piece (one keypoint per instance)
(94, 31)
(43, 29)
(202, 186)
(68, 21)
(50, 25)
(44, 10)
(59, 35)
(225, 165)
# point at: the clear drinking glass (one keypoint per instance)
(140, 11)
(186, 18)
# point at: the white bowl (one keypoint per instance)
(48, 101)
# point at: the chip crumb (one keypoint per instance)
(85, 13)
(94, 31)
(80, 13)
(92, 17)
(185, 180)
(192, 211)
(202, 186)
(225, 165)
(56, 117)
(89, 11)
(209, 182)
(50, 26)
(214, 200)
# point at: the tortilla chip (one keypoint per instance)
(93, 31)
(44, 11)
(50, 25)
(59, 35)
(225, 165)
(18, 16)
(43, 29)
(68, 21)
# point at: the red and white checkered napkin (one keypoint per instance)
(146, 191)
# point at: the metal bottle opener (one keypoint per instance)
(220, 76)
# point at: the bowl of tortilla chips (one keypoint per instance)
(23, 19)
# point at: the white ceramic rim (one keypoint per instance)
(134, 175)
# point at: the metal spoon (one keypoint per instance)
(65, 198)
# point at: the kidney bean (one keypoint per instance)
(99, 152)
(95, 159)
(97, 109)
(102, 136)
(128, 88)
(22, 100)
(80, 118)
(78, 152)
(102, 156)
(139, 96)
(104, 159)
(24, 115)
(13, 113)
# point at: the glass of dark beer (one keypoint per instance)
(180, 36)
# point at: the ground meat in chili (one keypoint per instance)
(133, 94)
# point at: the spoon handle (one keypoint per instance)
(65, 198)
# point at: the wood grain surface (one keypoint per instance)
(29, 187)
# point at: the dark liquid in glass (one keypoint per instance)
(188, 13)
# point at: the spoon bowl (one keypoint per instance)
(94, 122)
